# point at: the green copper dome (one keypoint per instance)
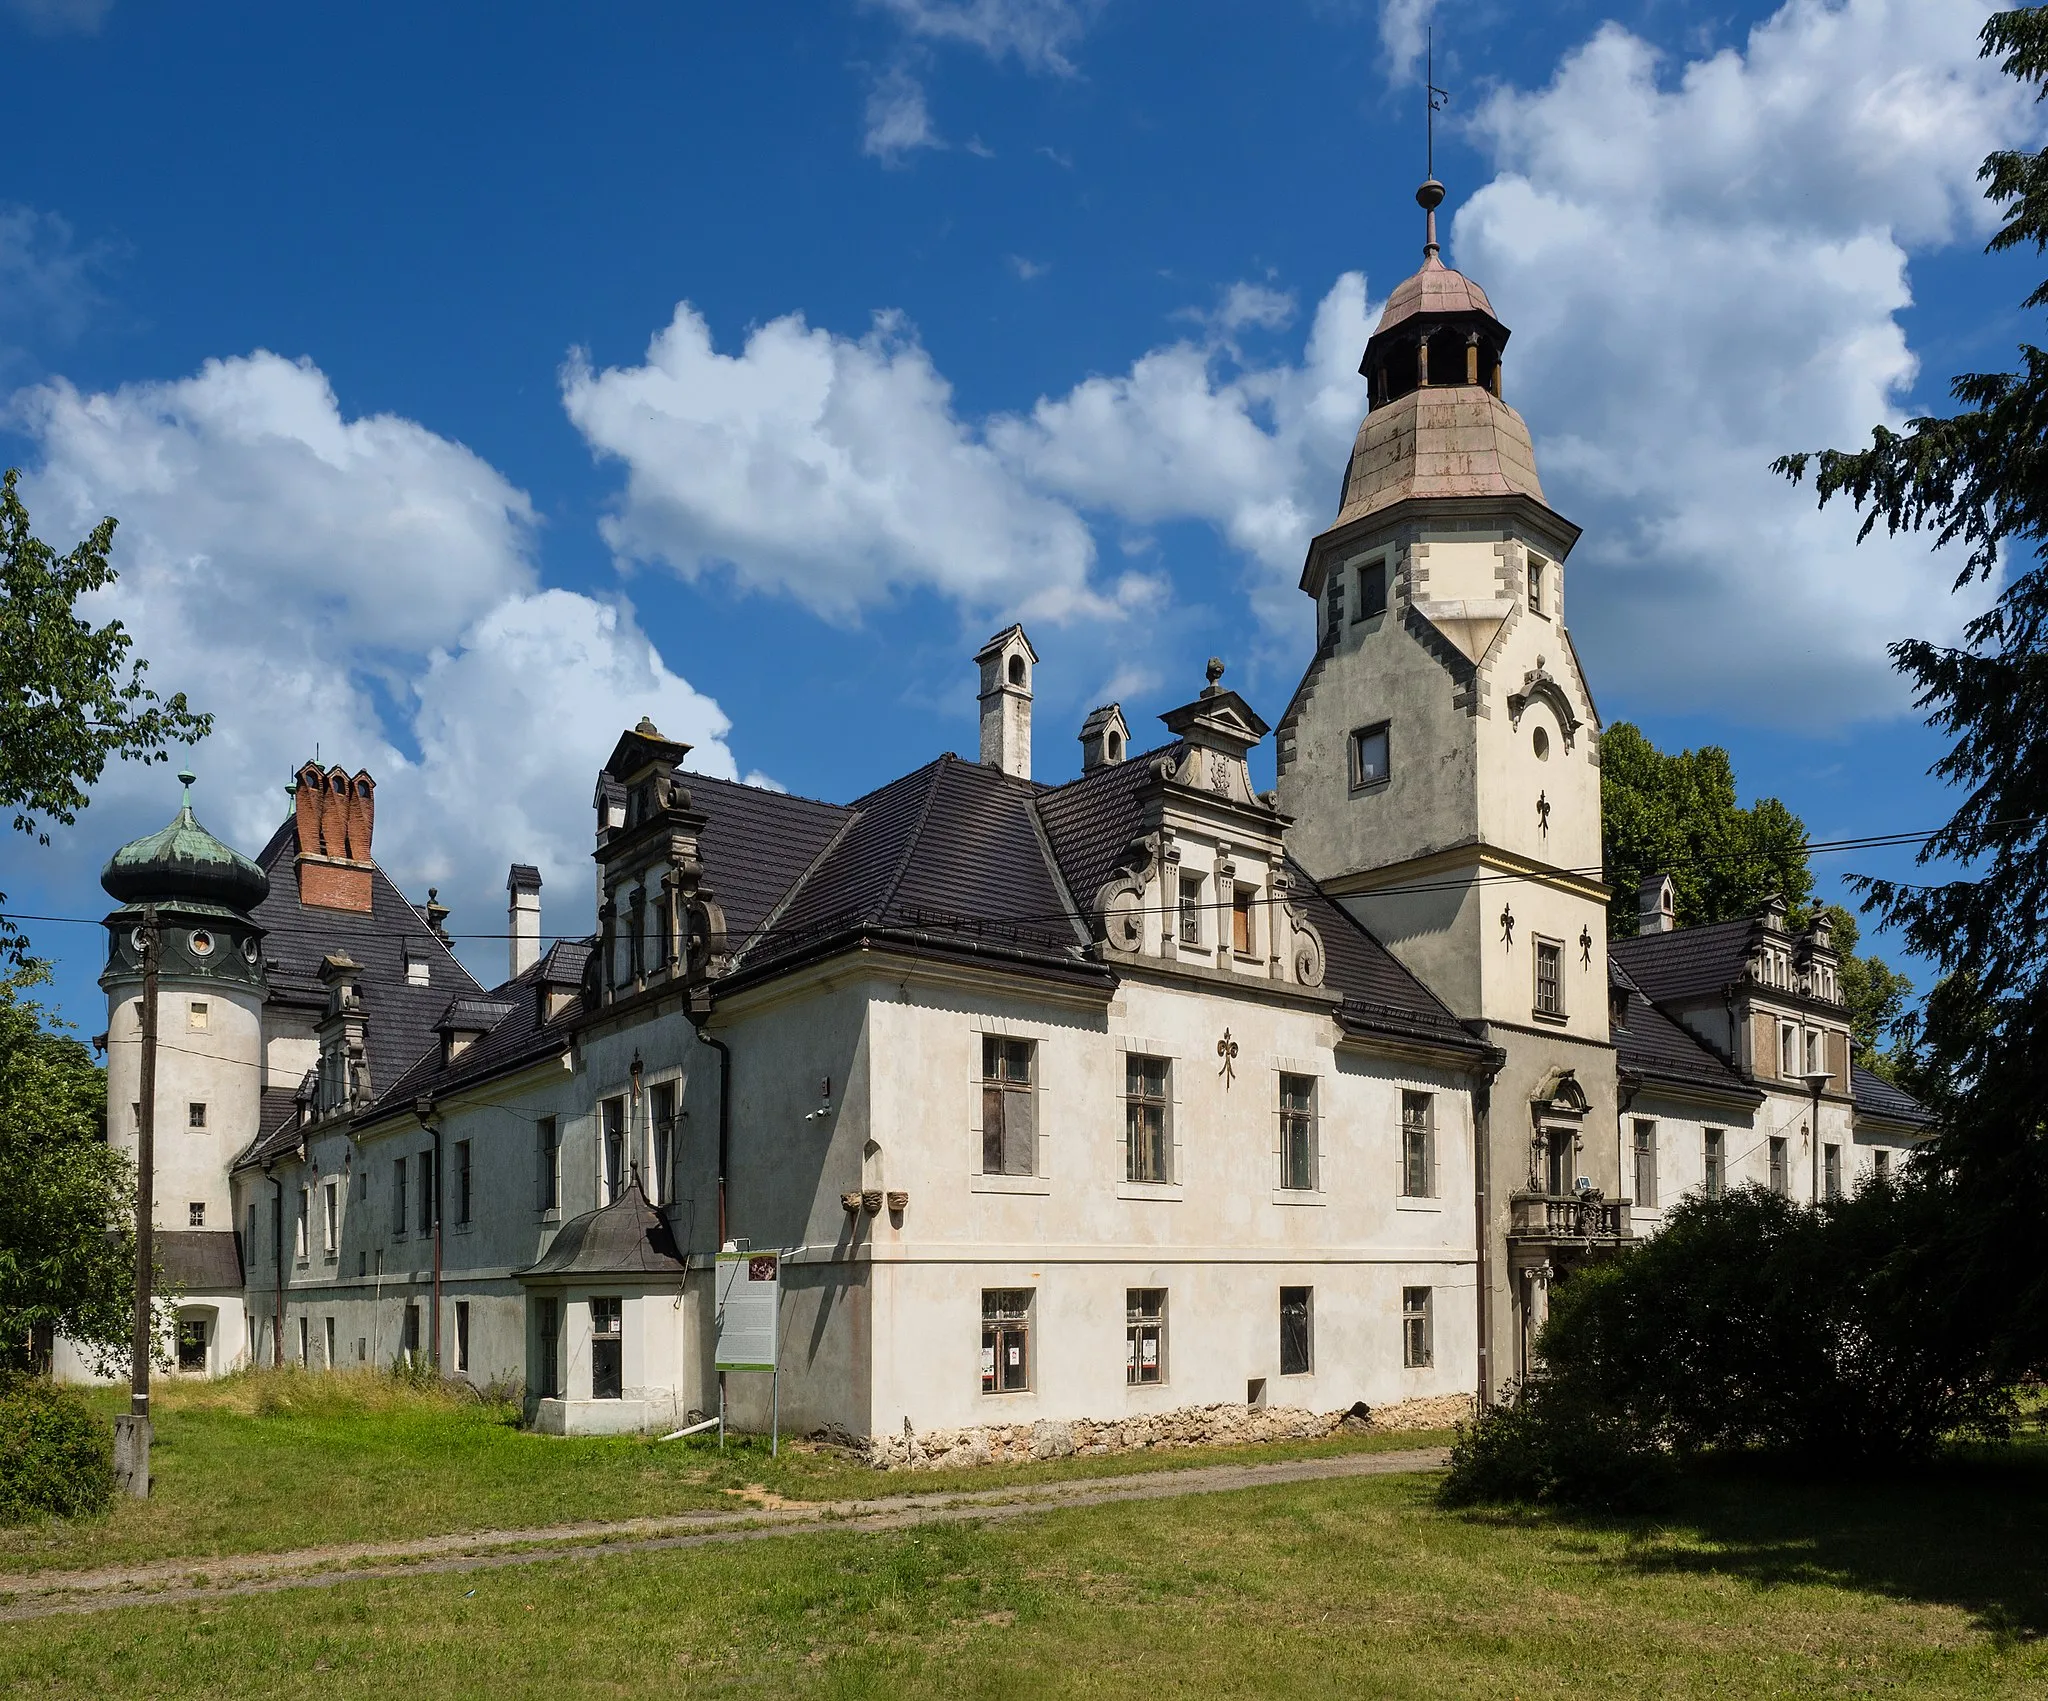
(185, 861)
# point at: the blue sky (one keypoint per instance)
(469, 379)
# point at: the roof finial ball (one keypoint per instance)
(1429, 197)
(1215, 673)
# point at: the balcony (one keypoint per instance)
(1567, 1220)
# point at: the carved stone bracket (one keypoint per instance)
(1120, 900)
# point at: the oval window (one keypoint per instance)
(1540, 742)
(202, 943)
(249, 952)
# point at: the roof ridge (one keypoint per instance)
(1085, 934)
(911, 840)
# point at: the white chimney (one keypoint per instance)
(522, 919)
(1656, 905)
(1006, 661)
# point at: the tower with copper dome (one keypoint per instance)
(1441, 759)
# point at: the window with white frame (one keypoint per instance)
(1813, 1063)
(1009, 1119)
(195, 1214)
(1418, 1348)
(1190, 932)
(1148, 1123)
(1788, 1051)
(1646, 1161)
(1369, 756)
(1298, 1132)
(612, 1148)
(1418, 1145)
(1536, 585)
(1549, 978)
(1144, 1336)
(1006, 1340)
(662, 1132)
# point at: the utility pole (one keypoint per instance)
(131, 1432)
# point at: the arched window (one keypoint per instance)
(1016, 670)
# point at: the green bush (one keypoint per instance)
(1538, 1446)
(56, 1453)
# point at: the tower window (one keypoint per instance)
(1536, 587)
(1369, 756)
(195, 1116)
(1372, 589)
(1016, 670)
(195, 1214)
(1549, 978)
(195, 1016)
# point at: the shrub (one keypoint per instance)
(1538, 1446)
(56, 1452)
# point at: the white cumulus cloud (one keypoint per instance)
(365, 585)
(1037, 32)
(898, 122)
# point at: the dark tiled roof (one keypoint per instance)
(1649, 1043)
(199, 1261)
(1875, 1096)
(401, 1016)
(1689, 963)
(1092, 819)
(949, 849)
(756, 845)
(626, 1238)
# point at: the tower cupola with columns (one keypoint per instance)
(1441, 756)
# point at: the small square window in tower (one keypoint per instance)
(1006, 1340)
(1009, 1144)
(1369, 756)
(1372, 589)
(1536, 586)
(1549, 978)
(607, 1359)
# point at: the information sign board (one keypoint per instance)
(749, 1289)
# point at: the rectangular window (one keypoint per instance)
(1418, 1349)
(409, 1337)
(1369, 756)
(330, 1217)
(1372, 589)
(548, 1322)
(1006, 1340)
(1298, 1132)
(661, 1127)
(1144, 1335)
(1788, 1051)
(300, 1231)
(399, 1195)
(1646, 1163)
(1535, 585)
(1009, 1122)
(462, 1336)
(192, 1343)
(305, 1344)
(613, 1155)
(195, 1116)
(327, 1342)
(1781, 1175)
(1241, 918)
(1884, 1163)
(1191, 909)
(1813, 1062)
(249, 1239)
(1561, 1148)
(1297, 1331)
(1831, 1170)
(1549, 978)
(1716, 1163)
(195, 1214)
(195, 1016)
(462, 1179)
(1418, 1145)
(547, 1139)
(607, 1357)
(429, 1183)
(1148, 1136)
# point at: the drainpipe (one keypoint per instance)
(423, 1108)
(277, 1236)
(724, 1118)
(1482, 1211)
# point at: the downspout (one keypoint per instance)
(1482, 1211)
(277, 1237)
(724, 1115)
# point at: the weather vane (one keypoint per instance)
(1436, 96)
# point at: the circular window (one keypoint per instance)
(249, 952)
(1540, 741)
(202, 943)
(135, 940)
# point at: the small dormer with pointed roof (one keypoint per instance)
(1105, 737)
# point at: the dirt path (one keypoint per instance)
(167, 1582)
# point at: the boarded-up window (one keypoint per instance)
(1241, 919)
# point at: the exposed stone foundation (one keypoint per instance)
(1191, 1426)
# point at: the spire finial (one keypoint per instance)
(187, 779)
(1431, 195)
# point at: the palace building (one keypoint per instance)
(1087, 1102)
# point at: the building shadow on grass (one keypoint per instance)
(1970, 1531)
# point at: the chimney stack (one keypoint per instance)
(1656, 905)
(335, 813)
(523, 916)
(1006, 661)
(1105, 739)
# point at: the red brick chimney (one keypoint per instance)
(335, 813)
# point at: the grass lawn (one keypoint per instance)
(280, 1460)
(1932, 1586)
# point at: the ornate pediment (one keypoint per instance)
(1540, 685)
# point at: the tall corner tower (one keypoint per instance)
(1441, 757)
(211, 989)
